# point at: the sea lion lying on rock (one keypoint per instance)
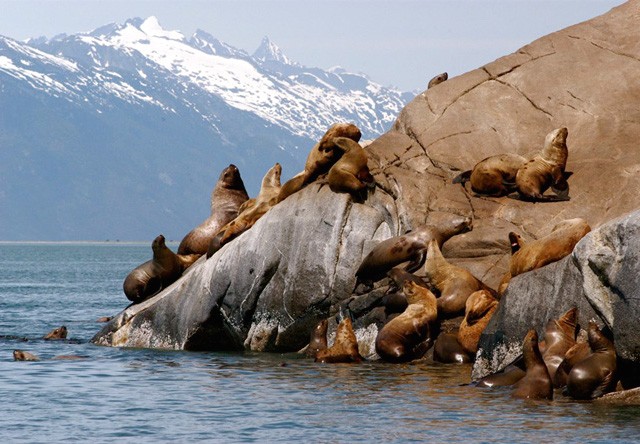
(350, 174)
(479, 309)
(493, 176)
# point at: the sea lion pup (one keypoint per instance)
(57, 333)
(536, 383)
(318, 340)
(494, 176)
(479, 309)
(545, 170)
(156, 274)
(411, 247)
(551, 248)
(227, 197)
(350, 174)
(595, 375)
(406, 337)
(437, 80)
(344, 348)
(448, 350)
(559, 337)
(455, 284)
(21, 355)
(251, 212)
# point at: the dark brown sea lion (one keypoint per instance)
(559, 336)
(406, 337)
(344, 348)
(595, 375)
(104, 319)
(551, 248)
(479, 309)
(448, 350)
(21, 355)
(508, 376)
(546, 169)
(437, 80)
(575, 354)
(350, 174)
(411, 247)
(227, 196)
(455, 284)
(57, 333)
(493, 176)
(318, 340)
(536, 383)
(156, 274)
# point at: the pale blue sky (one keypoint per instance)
(400, 43)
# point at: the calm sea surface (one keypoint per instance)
(125, 395)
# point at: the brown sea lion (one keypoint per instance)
(437, 80)
(318, 340)
(575, 354)
(406, 337)
(344, 348)
(493, 176)
(227, 197)
(394, 299)
(546, 169)
(455, 284)
(156, 274)
(596, 374)
(350, 174)
(21, 355)
(508, 376)
(57, 333)
(559, 336)
(411, 247)
(104, 319)
(551, 248)
(448, 350)
(536, 383)
(479, 309)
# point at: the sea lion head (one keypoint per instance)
(21, 355)
(58, 333)
(230, 178)
(437, 80)
(158, 243)
(598, 341)
(555, 147)
(345, 143)
(516, 242)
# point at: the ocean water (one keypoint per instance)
(133, 395)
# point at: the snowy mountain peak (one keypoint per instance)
(207, 43)
(270, 52)
(151, 27)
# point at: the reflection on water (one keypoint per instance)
(150, 396)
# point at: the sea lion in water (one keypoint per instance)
(410, 247)
(21, 355)
(493, 176)
(227, 196)
(559, 337)
(455, 284)
(595, 375)
(448, 350)
(536, 383)
(318, 340)
(57, 333)
(344, 348)
(546, 169)
(511, 374)
(350, 174)
(479, 309)
(551, 248)
(406, 337)
(156, 274)
(437, 80)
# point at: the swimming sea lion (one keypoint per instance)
(479, 309)
(551, 248)
(536, 383)
(546, 169)
(448, 350)
(156, 274)
(575, 354)
(350, 174)
(344, 348)
(437, 80)
(406, 336)
(455, 284)
(559, 336)
(226, 198)
(493, 176)
(595, 375)
(318, 339)
(57, 333)
(21, 355)
(410, 247)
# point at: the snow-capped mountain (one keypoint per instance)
(123, 131)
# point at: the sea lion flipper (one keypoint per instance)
(416, 263)
(462, 178)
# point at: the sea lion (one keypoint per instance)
(595, 375)
(344, 348)
(350, 174)
(104, 319)
(575, 354)
(410, 247)
(536, 383)
(448, 350)
(227, 196)
(406, 337)
(546, 169)
(511, 374)
(318, 340)
(57, 333)
(494, 175)
(437, 80)
(551, 248)
(21, 355)
(559, 336)
(394, 300)
(455, 284)
(156, 274)
(479, 309)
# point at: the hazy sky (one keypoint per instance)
(400, 43)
